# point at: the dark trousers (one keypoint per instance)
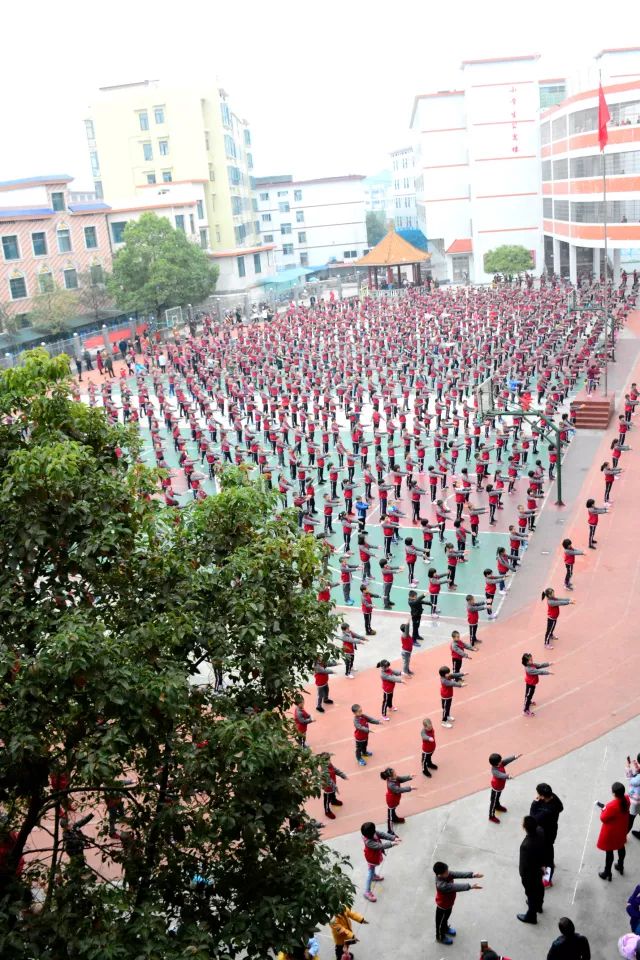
(367, 622)
(327, 799)
(473, 633)
(387, 702)
(608, 859)
(426, 761)
(415, 625)
(494, 801)
(529, 691)
(442, 922)
(446, 708)
(362, 748)
(323, 694)
(551, 625)
(348, 663)
(534, 892)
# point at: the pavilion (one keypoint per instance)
(393, 251)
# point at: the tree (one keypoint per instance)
(109, 602)
(53, 309)
(158, 267)
(376, 227)
(93, 294)
(8, 321)
(508, 259)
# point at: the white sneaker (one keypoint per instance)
(448, 725)
(349, 676)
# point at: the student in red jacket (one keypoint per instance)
(610, 474)
(613, 832)
(593, 512)
(321, 677)
(361, 731)
(302, 719)
(376, 842)
(458, 648)
(569, 561)
(531, 673)
(473, 611)
(553, 612)
(406, 649)
(448, 680)
(499, 777)
(395, 789)
(389, 679)
(428, 744)
(330, 786)
(350, 640)
(435, 580)
(366, 605)
(446, 890)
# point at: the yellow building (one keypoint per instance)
(150, 132)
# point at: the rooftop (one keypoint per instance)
(392, 251)
(529, 56)
(283, 181)
(52, 178)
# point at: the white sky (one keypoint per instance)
(327, 87)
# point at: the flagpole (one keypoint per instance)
(606, 252)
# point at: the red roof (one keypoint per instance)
(461, 246)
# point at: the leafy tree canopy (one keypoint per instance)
(376, 227)
(158, 267)
(110, 603)
(508, 259)
(52, 309)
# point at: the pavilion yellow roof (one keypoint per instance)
(392, 251)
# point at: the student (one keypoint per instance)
(361, 723)
(569, 561)
(453, 557)
(499, 777)
(346, 577)
(428, 742)
(416, 608)
(376, 842)
(342, 931)
(428, 529)
(553, 612)
(302, 719)
(610, 473)
(389, 679)
(366, 605)
(411, 555)
(321, 676)
(473, 609)
(531, 673)
(350, 641)
(448, 680)
(366, 552)
(593, 512)
(394, 794)
(329, 785)
(406, 644)
(613, 832)
(446, 891)
(458, 648)
(387, 582)
(435, 580)
(491, 582)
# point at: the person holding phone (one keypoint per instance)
(488, 953)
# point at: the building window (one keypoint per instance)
(547, 208)
(561, 209)
(250, 161)
(266, 218)
(297, 196)
(150, 177)
(247, 138)
(10, 247)
(397, 201)
(302, 236)
(167, 176)
(545, 133)
(97, 274)
(559, 128)
(234, 176)
(283, 193)
(147, 150)
(267, 237)
(204, 242)
(285, 228)
(117, 231)
(284, 207)
(57, 202)
(304, 259)
(236, 206)
(39, 244)
(18, 288)
(299, 216)
(583, 121)
(257, 263)
(98, 189)
(546, 169)
(229, 147)
(45, 282)
(88, 126)
(226, 114)
(217, 233)
(560, 169)
(242, 270)
(212, 173)
(287, 249)
(163, 148)
(264, 196)
(70, 279)
(180, 221)
(64, 240)
(90, 238)
(95, 165)
(158, 114)
(143, 120)
(346, 255)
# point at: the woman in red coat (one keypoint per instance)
(613, 832)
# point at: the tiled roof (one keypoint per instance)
(392, 251)
(24, 213)
(461, 246)
(34, 181)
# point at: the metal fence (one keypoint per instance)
(71, 344)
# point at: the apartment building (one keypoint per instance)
(403, 189)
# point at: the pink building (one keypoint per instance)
(48, 240)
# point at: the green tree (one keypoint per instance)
(53, 308)
(8, 321)
(376, 227)
(110, 603)
(158, 267)
(508, 259)
(93, 294)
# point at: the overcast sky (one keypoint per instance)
(327, 87)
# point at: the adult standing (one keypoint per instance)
(569, 945)
(613, 832)
(546, 810)
(446, 891)
(86, 356)
(532, 863)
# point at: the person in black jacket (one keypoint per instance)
(570, 945)
(416, 607)
(532, 863)
(546, 809)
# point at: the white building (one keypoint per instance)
(477, 164)
(312, 222)
(378, 194)
(403, 189)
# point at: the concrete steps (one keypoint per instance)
(592, 413)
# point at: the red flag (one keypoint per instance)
(603, 119)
